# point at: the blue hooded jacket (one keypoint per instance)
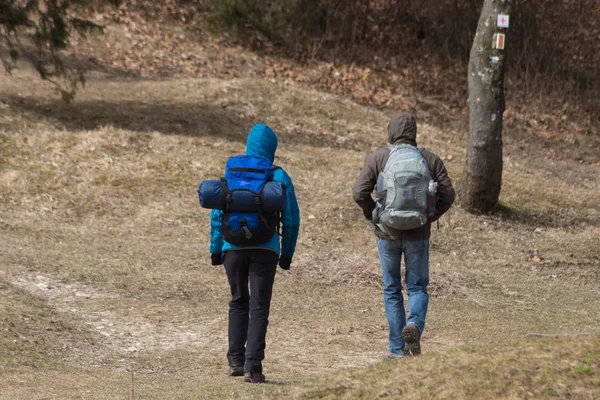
(262, 141)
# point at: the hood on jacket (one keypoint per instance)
(402, 129)
(262, 141)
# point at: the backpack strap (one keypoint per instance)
(421, 150)
(273, 169)
(392, 147)
(227, 195)
(278, 224)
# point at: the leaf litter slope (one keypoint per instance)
(101, 227)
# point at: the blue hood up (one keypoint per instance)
(262, 141)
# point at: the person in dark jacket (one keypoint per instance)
(249, 310)
(405, 334)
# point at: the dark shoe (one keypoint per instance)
(236, 370)
(412, 338)
(254, 377)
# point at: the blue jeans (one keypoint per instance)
(416, 260)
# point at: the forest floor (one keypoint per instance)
(108, 292)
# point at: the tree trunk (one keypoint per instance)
(481, 180)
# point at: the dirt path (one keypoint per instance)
(168, 342)
(123, 331)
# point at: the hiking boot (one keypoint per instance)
(392, 357)
(236, 370)
(254, 377)
(412, 338)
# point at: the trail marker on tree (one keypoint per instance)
(499, 40)
(503, 20)
(480, 183)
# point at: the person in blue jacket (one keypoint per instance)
(249, 310)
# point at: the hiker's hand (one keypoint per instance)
(434, 216)
(216, 259)
(285, 262)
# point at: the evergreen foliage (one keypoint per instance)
(36, 30)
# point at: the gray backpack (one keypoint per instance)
(405, 190)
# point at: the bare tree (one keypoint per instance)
(481, 180)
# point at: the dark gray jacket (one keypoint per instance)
(402, 130)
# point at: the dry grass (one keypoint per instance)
(535, 369)
(102, 235)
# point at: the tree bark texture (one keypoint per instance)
(481, 180)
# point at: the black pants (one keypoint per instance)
(249, 311)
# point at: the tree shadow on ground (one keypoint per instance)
(74, 62)
(547, 220)
(171, 119)
(186, 119)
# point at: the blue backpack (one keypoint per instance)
(248, 224)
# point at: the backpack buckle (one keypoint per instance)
(246, 232)
(228, 200)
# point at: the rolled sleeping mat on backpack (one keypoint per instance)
(273, 197)
(211, 194)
